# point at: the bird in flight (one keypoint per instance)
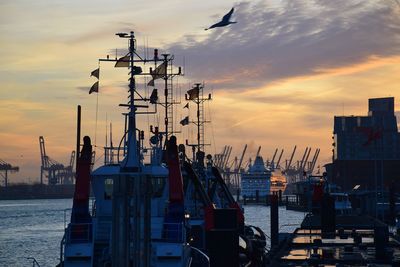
(224, 22)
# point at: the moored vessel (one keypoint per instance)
(256, 182)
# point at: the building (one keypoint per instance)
(366, 149)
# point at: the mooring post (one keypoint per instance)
(274, 221)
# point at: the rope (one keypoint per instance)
(97, 111)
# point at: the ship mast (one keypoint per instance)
(196, 95)
(130, 219)
(132, 159)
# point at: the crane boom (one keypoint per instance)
(291, 158)
(306, 159)
(302, 159)
(279, 159)
(273, 157)
(315, 159)
(241, 158)
(258, 151)
(227, 157)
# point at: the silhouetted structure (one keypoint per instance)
(366, 149)
(57, 173)
(7, 167)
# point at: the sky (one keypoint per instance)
(278, 76)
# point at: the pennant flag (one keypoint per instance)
(193, 93)
(95, 73)
(185, 121)
(94, 88)
(186, 106)
(123, 62)
(154, 97)
(159, 72)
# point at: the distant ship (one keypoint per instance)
(257, 180)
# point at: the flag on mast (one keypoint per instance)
(185, 121)
(186, 106)
(159, 72)
(123, 61)
(95, 73)
(193, 93)
(94, 88)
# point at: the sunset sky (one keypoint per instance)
(278, 76)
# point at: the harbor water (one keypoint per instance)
(34, 228)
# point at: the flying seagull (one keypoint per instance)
(224, 22)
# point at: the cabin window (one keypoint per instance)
(108, 188)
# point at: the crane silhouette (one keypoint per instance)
(224, 22)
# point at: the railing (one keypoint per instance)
(113, 155)
(79, 232)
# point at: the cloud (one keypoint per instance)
(272, 42)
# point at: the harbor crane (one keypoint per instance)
(55, 172)
(304, 167)
(238, 168)
(5, 168)
(230, 172)
(272, 163)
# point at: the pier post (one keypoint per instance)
(328, 217)
(274, 221)
(381, 240)
(222, 241)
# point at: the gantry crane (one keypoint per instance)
(56, 172)
(303, 168)
(230, 172)
(5, 168)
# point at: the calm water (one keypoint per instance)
(34, 228)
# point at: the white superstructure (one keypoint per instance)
(257, 178)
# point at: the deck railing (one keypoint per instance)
(79, 232)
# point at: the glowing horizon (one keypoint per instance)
(278, 76)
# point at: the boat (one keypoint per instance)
(203, 179)
(156, 213)
(138, 217)
(256, 182)
(306, 195)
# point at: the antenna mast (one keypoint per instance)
(196, 95)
